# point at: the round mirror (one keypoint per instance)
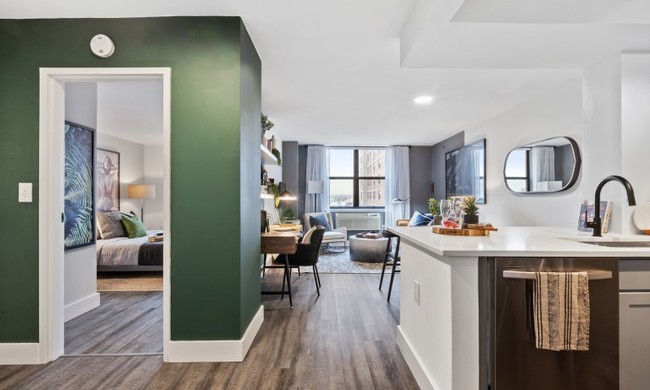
(551, 165)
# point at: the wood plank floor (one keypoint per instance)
(344, 339)
(125, 322)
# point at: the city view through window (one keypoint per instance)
(357, 178)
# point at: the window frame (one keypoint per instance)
(356, 179)
(526, 178)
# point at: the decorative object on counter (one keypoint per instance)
(470, 210)
(450, 216)
(277, 155)
(419, 219)
(588, 210)
(434, 209)
(641, 218)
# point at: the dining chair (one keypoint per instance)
(392, 258)
(307, 255)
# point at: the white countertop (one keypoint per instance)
(521, 241)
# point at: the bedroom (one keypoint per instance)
(127, 118)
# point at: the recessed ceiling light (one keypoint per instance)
(424, 99)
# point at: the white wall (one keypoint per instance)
(556, 113)
(635, 115)
(153, 174)
(80, 291)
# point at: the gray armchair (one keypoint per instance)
(339, 234)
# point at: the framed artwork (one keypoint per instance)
(465, 171)
(79, 226)
(108, 180)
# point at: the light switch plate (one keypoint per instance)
(25, 192)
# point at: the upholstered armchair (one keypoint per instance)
(331, 235)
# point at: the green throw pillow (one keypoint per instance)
(133, 225)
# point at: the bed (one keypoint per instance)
(130, 254)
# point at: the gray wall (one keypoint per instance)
(302, 173)
(438, 162)
(564, 162)
(290, 168)
(420, 176)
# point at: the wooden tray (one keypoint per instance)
(479, 231)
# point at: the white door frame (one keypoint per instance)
(50, 195)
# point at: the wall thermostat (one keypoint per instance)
(102, 46)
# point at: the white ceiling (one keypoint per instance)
(345, 72)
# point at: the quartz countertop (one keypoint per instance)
(521, 241)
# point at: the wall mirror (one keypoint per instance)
(551, 165)
(465, 171)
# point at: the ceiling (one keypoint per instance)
(345, 72)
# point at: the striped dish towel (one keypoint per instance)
(561, 311)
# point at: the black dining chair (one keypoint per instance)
(306, 255)
(392, 258)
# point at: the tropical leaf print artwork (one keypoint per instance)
(79, 227)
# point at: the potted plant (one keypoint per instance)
(470, 210)
(434, 209)
(277, 155)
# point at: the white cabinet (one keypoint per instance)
(634, 306)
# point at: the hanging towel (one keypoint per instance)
(561, 311)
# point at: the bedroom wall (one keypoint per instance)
(80, 292)
(204, 54)
(153, 174)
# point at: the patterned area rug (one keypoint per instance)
(330, 262)
(130, 281)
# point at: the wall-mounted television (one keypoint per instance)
(465, 171)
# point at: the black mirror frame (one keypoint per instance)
(574, 175)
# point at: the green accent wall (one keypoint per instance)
(215, 75)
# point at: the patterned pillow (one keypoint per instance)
(320, 219)
(110, 225)
(419, 219)
(133, 225)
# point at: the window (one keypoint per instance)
(517, 172)
(356, 178)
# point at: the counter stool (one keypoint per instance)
(392, 258)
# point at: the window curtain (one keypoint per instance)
(542, 165)
(397, 184)
(318, 168)
(470, 159)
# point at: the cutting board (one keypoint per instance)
(478, 231)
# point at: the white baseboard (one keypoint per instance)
(215, 350)
(413, 361)
(19, 353)
(80, 307)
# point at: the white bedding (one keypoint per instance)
(121, 250)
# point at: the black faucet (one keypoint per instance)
(596, 223)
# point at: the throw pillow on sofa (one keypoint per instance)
(320, 219)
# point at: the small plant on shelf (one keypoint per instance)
(273, 188)
(266, 124)
(277, 155)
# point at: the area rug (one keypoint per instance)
(330, 262)
(129, 281)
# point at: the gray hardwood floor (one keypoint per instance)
(344, 339)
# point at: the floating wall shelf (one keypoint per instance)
(267, 156)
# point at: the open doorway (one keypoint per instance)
(123, 267)
(52, 260)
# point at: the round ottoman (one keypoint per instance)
(370, 250)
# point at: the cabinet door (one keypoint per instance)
(635, 340)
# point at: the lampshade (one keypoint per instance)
(314, 187)
(141, 191)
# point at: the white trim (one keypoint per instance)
(50, 195)
(80, 307)
(19, 353)
(413, 361)
(215, 350)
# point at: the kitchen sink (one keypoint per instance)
(619, 244)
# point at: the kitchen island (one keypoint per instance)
(440, 310)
